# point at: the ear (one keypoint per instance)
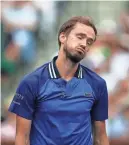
(62, 38)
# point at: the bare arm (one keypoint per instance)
(100, 136)
(22, 131)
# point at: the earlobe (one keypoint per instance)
(62, 38)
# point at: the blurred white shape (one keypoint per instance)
(8, 132)
(21, 38)
(120, 65)
(119, 68)
(117, 127)
(48, 9)
(25, 15)
(107, 26)
(111, 81)
(96, 57)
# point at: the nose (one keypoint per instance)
(83, 44)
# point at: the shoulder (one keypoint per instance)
(39, 74)
(96, 82)
(94, 77)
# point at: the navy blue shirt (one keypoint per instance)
(61, 111)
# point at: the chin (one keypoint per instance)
(76, 58)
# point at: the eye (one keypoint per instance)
(89, 42)
(79, 37)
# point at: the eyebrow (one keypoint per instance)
(84, 35)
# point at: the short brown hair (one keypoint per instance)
(68, 25)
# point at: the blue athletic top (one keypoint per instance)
(61, 111)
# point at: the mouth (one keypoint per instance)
(81, 50)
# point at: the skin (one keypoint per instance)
(76, 45)
(73, 49)
(23, 127)
(100, 136)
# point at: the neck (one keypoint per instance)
(65, 66)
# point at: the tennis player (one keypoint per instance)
(62, 102)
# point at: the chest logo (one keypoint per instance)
(88, 94)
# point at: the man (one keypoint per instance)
(57, 103)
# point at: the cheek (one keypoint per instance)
(72, 43)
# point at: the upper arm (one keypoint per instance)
(99, 128)
(22, 131)
(99, 131)
(23, 103)
(22, 126)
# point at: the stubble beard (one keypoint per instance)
(75, 58)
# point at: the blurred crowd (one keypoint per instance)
(25, 28)
(19, 22)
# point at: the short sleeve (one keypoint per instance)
(99, 111)
(23, 103)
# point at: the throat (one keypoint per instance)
(66, 70)
(67, 78)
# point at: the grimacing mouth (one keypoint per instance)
(81, 49)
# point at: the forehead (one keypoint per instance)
(82, 28)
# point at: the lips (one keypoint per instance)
(81, 50)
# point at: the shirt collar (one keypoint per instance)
(54, 73)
